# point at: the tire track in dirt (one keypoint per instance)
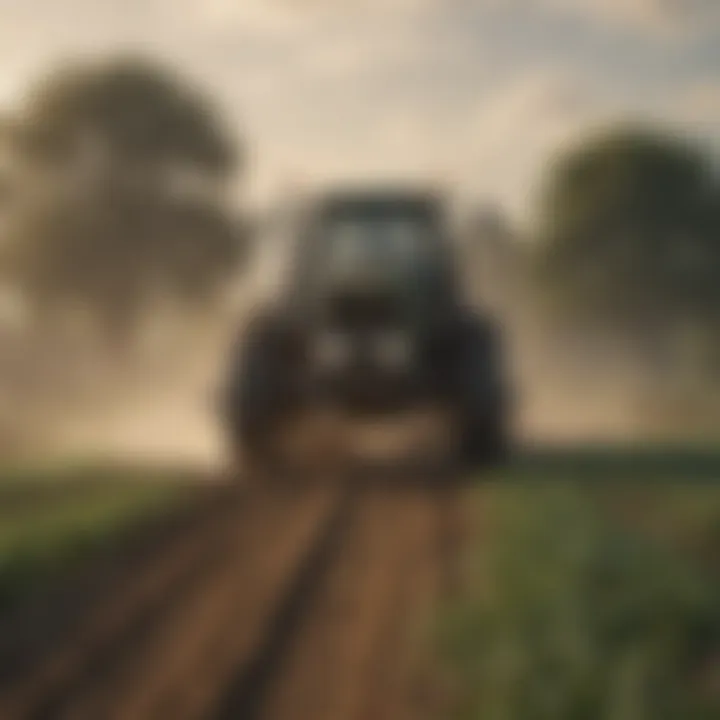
(403, 684)
(114, 631)
(46, 622)
(357, 652)
(186, 664)
(132, 603)
(306, 603)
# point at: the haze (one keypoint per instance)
(476, 92)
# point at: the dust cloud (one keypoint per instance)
(162, 405)
(580, 384)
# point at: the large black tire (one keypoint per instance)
(481, 402)
(258, 398)
(483, 442)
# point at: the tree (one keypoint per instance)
(131, 112)
(6, 185)
(127, 169)
(628, 236)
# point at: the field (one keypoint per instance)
(575, 584)
(592, 590)
(53, 520)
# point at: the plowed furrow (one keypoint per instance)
(128, 612)
(186, 666)
(44, 626)
(405, 685)
(284, 604)
(362, 613)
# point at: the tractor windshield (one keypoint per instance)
(380, 244)
(397, 246)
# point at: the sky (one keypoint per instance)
(476, 93)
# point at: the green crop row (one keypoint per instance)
(589, 602)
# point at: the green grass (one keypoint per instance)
(51, 521)
(592, 600)
(620, 464)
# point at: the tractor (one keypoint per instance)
(370, 321)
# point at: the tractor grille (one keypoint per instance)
(358, 311)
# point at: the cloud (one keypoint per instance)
(668, 17)
(664, 18)
(511, 134)
(268, 17)
(497, 149)
(702, 102)
(480, 90)
(695, 109)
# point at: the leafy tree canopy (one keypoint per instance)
(134, 165)
(629, 228)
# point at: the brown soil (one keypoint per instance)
(276, 603)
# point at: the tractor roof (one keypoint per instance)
(381, 199)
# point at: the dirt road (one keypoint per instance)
(278, 604)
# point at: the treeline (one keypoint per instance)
(121, 175)
(628, 245)
(117, 191)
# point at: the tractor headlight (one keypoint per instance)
(332, 349)
(393, 349)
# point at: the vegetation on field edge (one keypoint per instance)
(590, 603)
(45, 540)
